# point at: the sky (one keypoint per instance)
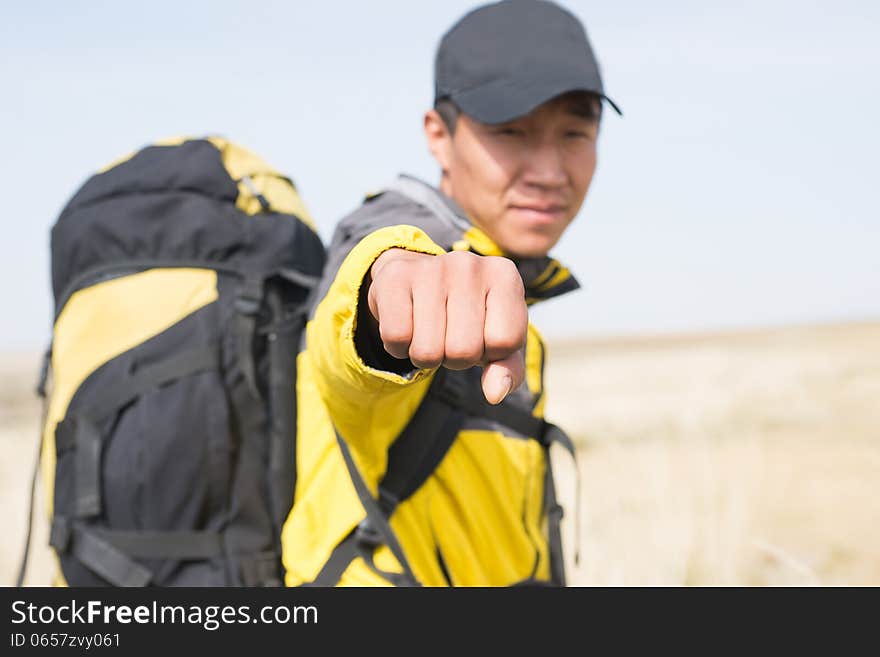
(739, 189)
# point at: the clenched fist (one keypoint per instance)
(456, 310)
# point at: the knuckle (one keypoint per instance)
(511, 273)
(396, 270)
(460, 256)
(462, 262)
(465, 352)
(505, 274)
(429, 287)
(425, 356)
(505, 342)
(502, 264)
(454, 364)
(394, 335)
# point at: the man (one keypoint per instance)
(422, 455)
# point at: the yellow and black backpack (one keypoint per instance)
(181, 277)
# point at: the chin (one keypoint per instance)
(531, 246)
(531, 249)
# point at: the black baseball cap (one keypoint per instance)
(502, 60)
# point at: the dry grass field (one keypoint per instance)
(741, 458)
(747, 458)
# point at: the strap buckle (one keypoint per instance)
(60, 534)
(261, 570)
(252, 188)
(250, 296)
(65, 435)
(367, 535)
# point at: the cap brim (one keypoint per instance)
(501, 101)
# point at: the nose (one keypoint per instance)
(545, 166)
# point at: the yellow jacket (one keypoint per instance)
(480, 518)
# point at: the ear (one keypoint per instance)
(439, 140)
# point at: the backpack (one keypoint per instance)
(181, 276)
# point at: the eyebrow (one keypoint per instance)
(587, 111)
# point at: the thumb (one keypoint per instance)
(500, 377)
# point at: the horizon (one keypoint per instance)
(33, 354)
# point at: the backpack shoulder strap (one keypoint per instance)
(456, 396)
(420, 447)
(416, 454)
(374, 529)
(413, 456)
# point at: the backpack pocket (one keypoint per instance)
(144, 463)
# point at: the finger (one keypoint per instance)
(465, 314)
(392, 299)
(507, 316)
(500, 377)
(429, 324)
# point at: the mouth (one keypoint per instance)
(540, 213)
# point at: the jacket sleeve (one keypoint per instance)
(368, 406)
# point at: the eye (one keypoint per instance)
(578, 134)
(508, 131)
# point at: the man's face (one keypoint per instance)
(524, 181)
